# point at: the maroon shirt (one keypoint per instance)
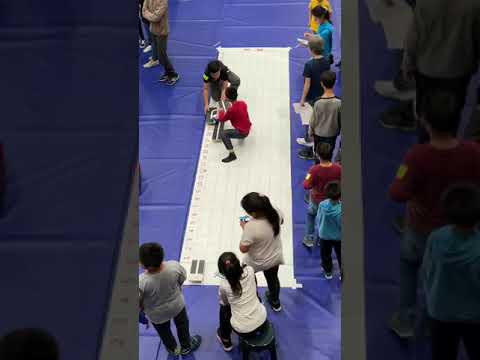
(424, 176)
(238, 116)
(318, 176)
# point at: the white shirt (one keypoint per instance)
(248, 313)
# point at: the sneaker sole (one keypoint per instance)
(227, 349)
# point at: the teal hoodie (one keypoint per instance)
(328, 222)
(451, 269)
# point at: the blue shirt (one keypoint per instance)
(325, 31)
(329, 220)
(314, 68)
(451, 269)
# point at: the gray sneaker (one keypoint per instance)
(308, 242)
(195, 343)
(402, 326)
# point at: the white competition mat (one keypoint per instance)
(263, 165)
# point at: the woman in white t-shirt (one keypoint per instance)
(240, 307)
(261, 242)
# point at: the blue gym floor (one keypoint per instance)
(171, 127)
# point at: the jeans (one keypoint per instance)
(159, 53)
(225, 315)
(271, 275)
(183, 332)
(411, 258)
(425, 84)
(446, 338)
(310, 221)
(229, 134)
(326, 247)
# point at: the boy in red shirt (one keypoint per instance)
(317, 177)
(237, 114)
(427, 171)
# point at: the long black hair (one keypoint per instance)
(320, 11)
(260, 205)
(230, 267)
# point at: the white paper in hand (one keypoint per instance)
(302, 42)
(305, 112)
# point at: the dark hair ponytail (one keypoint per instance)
(229, 266)
(320, 11)
(261, 205)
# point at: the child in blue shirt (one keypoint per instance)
(451, 269)
(325, 31)
(329, 228)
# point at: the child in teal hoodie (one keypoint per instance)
(451, 269)
(329, 227)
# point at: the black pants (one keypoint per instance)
(226, 328)
(229, 134)
(425, 84)
(160, 53)
(446, 340)
(273, 283)
(183, 332)
(326, 247)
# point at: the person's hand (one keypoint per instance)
(302, 103)
(308, 36)
(206, 108)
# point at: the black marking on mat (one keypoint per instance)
(193, 268)
(201, 267)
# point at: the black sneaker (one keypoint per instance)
(226, 343)
(195, 343)
(164, 78)
(399, 224)
(306, 154)
(400, 117)
(231, 157)
(328, 275)
(276, 306)
(401, 84)
(172, 80)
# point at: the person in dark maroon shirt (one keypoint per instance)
(317, 177)
(238, 116)
(426, 172)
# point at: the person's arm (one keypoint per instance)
(401, 188)
(247, 238)
(155, 15)
(225, 85)
(224, 116)
(306, 89)
(308, 182)
(182, 274)
(313, 121)
(222, 296)
(206, 96)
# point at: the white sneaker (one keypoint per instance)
(301, 141)
(151, 63)
(388, 90)
(147, 49)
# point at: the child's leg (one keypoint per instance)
(326, 255)
(166, 336)
(225, 315)
(271, 275)
(337, 246)
(309, 237)
(445, 339)
(183, 329)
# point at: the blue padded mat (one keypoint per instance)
(171, 127)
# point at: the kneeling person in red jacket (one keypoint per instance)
(238, 116)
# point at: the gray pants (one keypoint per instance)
(217, 86)
(159, 52)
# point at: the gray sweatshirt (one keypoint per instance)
(443, 40)
(325, 120)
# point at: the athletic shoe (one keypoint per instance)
(403, 328)
(147, 49)
(399, 224)
(195, 343)
(142, 43)
(306, 154)
(163, 78)
(227, 344)
(306, 198)
(308, 242)
(151, 63)
(175, 352)
(231, 157)
(400, 117)
(276, 306)
(301, 141)
(173, 80)
(328, 275)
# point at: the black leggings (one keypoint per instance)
(226, 329)
(446, 339)
(271, 275)
(229, 134)
(183, 332)
(326, 247)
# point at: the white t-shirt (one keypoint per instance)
(162, 292)
(265, 249)
(248, 313)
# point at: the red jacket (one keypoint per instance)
(238, 116)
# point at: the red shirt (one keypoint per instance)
(426, 173)
(238, 116)
(318, 176)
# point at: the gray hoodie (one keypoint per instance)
(443, 40)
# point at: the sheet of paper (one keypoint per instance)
(305, 112)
